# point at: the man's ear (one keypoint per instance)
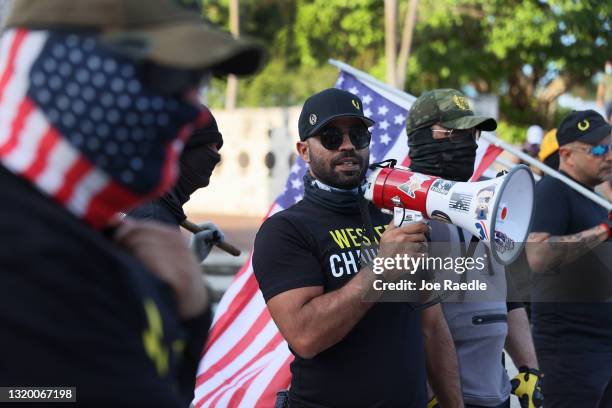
(303, 150)
(566, 155)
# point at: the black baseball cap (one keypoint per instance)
(327, 105)
(585, 126)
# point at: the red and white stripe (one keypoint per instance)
(246, 360)
(29, 146)
(33, 149)
(485, 156)
(19, 51)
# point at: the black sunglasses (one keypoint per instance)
(332, 137)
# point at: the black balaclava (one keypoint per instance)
(199, 160)
(441, 157)
(197, 163)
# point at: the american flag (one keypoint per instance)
(246, 360)
(77, 122)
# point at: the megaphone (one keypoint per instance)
(499, 211)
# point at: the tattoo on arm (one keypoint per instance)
(564, 249)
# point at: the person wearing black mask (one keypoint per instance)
(443, 133)
(314, 284)
(442, 138)
(196, 164)
(114, 308)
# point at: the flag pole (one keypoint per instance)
(509, 165)
(486, 136)
(548, 170)
(370, 79)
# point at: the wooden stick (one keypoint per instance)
(225, 246)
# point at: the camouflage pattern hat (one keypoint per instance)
(448, 108)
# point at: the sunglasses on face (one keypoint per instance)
(333, 137)
(599, 150)
(459, 135)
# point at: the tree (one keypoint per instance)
(526, 51)
(231, 94)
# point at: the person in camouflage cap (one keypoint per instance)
(442, 133)
(447, 107)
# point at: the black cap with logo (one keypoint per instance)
(327, 105)
(584, 126)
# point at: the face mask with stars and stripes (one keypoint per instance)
(77, 121)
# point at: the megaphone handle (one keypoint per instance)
(400, 214)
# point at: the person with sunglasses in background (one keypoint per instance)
(442, 135)
(571, 258)
(348, 352)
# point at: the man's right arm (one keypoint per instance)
(312, 321)
(545, 252)
(549, 246)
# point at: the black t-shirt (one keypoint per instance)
(77, 310)
(380, 363)
(571, 326)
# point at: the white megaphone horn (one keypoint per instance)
(498, 211)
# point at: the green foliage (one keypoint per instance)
(559, 115)
(348, 30)
(281, 86)
(512, 48)
(511, 133)
(277, 85)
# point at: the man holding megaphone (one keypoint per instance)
(307, 260)
(442, 136)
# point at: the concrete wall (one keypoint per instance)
(4, 10)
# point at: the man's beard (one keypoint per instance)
(328, 173)
(604, 176)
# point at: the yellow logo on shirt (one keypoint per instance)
(353, 237)
(152, 338)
